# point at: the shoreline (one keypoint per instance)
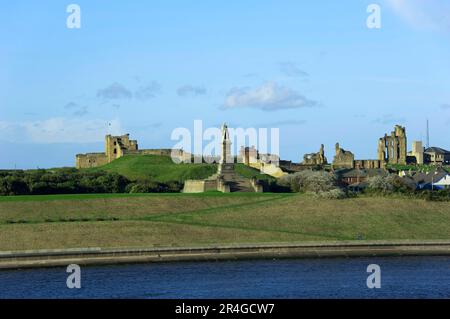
(111, 256)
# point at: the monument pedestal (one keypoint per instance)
(225, 169)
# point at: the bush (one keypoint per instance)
(144, 187)
(148, 186)
(381, 184)
(64, 181)
(440, 195)
(335, 193)
(389, 184)
(13, 185)
(321, 183)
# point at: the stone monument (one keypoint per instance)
(226, 164)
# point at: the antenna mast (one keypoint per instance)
(428, 134)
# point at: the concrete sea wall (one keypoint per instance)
(98, 256)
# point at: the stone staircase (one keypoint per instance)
(238, 183)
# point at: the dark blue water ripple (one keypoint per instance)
(401, 277)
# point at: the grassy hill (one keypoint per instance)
(163, 169)
(143, 220)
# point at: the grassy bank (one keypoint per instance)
(157, 168)
(163, 169)
(69, 221)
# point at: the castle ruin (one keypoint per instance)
(315, 158)
(343, 158)
(118, 146)
(392, 149)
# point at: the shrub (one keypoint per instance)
(64, 181)
(144, 187)
(389, 184)
(13, 185)
(381, 184)
(321, 183)
(335, 193)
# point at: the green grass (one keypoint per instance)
(424, 168)
(44, 198)
(157, 168)
(163, 169)
(250, 172)
(38, 222)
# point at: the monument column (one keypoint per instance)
(226, 164)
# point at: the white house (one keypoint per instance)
(443, 182)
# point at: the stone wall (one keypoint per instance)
(90, 160)
(199, 186)
(368, 164)
(258, 188)
(268, 169)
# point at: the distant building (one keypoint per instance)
(443, 182)
(354, 176)
(417, 154)
(437, 156)
(438, 179)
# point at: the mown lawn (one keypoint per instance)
(71, 221)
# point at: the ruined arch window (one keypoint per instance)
(115, 151)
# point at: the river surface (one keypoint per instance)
(401, 277)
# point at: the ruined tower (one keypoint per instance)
(315, 158)
(392, 149)
(116, 146)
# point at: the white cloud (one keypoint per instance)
(268, 97)
(423, 14)
(59, 130)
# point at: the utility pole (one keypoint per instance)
(428, 134)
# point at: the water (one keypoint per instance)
(401, 277)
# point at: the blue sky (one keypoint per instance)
(311, 68)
